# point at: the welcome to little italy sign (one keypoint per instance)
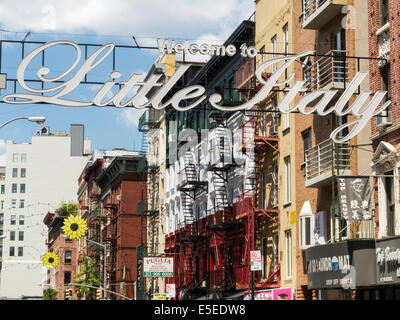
(363, 108)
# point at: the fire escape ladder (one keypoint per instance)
(187, 263)
(187, 209)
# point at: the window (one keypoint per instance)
(286, 38)
(262, 52)
(22, 188)
(264, 256)
(13, 203)
(14, 188)
(23, 157)
(15, 172)
(288, 244)
(305, 230)
(68, 257)
(274, 51)
(390, 203)
(67, 277)
(3, 189)
(312, 227)
(306, 142)
(21, 220)
(21, 236)
(22, 203)
(274, 123)
(287, 180)
(23, 172)
(383, 12)
(12, 235)
(12, 251)
(20, 251)
(275, 186)
(13, 219)
(2, 204)
(263, 196)
(275, 257)
(386, 86)
(15, 157)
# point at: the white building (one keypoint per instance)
(40, 175)
(219, 184)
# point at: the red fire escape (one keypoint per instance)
(257, 141)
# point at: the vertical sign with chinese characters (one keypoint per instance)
(354, 197)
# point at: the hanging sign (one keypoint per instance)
(255, 260)
(354, 197)
(158, 267)
(363, 108)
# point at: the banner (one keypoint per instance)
(354, 197)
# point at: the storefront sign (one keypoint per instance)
(255, 260)
(341, 265)
(159, 296)
(363, 108)
(273, 294)
(354, 197)
(388, 260)
(158, 267)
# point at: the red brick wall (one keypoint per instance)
(390, 134)
(130, 228)
(375, 78)
(60, 246)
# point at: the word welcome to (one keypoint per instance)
(195, 95)
(205, 49)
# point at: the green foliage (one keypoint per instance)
(49, 294)
(89, 275)
(67, 209)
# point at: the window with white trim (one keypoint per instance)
(288, 247)
(288, 195)
(274, 43)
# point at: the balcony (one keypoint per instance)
(319, 163)
(317, 13)
(188, 179)
(329, 72)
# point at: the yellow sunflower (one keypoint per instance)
(50, 259)
(74, 227)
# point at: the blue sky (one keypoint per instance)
(101, 22)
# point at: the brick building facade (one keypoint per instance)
(123, 230)
(384, 43)
(66, 249)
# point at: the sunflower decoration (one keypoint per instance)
(74, 227)
(50, 259)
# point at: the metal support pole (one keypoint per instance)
(105, 271)
(252, 284)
